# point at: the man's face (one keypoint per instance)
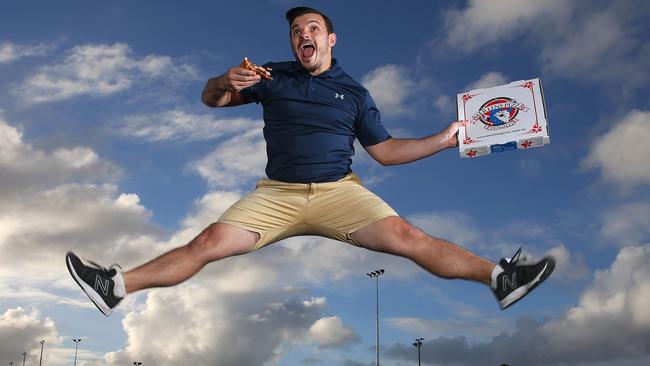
(311, 44)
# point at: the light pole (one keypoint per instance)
(137, 363)
(375, 274)
(24, 355)
(40, 362)
(76, 347)
(418, 344)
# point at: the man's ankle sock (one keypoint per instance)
(119, 290)
(495, 272)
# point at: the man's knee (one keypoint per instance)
(409, 234)
(210, 234)
(220, 240)
(402, 236)
(205, 242)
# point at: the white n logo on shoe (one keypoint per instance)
(510, 282)
(103, 284)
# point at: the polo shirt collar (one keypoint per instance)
(334, 71)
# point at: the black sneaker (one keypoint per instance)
(516, 279)
(96, 281)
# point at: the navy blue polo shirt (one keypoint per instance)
(311, 122)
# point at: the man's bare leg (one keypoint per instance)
(106, 287)
(216, 242)
(395, 235)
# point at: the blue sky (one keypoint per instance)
(106, 149)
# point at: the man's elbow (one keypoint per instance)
(387, 162)
(384, 153)
(385, 159)
(209, 100)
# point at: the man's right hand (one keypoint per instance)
(237, 78)
(224, 90)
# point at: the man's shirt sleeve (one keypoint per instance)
(251, 94)
(368, 126)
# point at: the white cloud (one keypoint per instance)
(484, 22)
(202, 326)
(627, 224)
(390, 86)
(27, 169)
(596, 41)
(612, 318)
(96, 70)
(181, 125)
(10, 139)
(51, 202)
(600, 42)
(330, 332)
(21, 331)
(487, 80)
(235, 161)
(621, 154)
(444, 102)
(568, 266)
(609, 326)
(93, 220)
(10, 52)
(315, 301)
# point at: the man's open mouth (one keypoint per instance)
(306, 50)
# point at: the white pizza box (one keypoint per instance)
(502, 118)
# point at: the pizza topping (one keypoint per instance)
(264, 72)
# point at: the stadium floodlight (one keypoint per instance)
(40, 362)
(418, 345)
(76, 347)
(375, 274)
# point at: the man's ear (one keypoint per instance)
(332, 39)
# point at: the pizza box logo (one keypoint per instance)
(498, 113)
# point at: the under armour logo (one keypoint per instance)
(338, 96)
(510, 282)
(101, 284)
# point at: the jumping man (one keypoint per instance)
(313, 112)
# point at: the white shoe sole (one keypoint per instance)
(92, 294)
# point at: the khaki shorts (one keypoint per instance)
(278, 210)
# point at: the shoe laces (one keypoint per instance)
(110, 271)
(514, 260)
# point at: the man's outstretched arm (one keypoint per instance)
(223, 91)
(396, 151)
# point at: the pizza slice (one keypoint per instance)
(264, 72)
